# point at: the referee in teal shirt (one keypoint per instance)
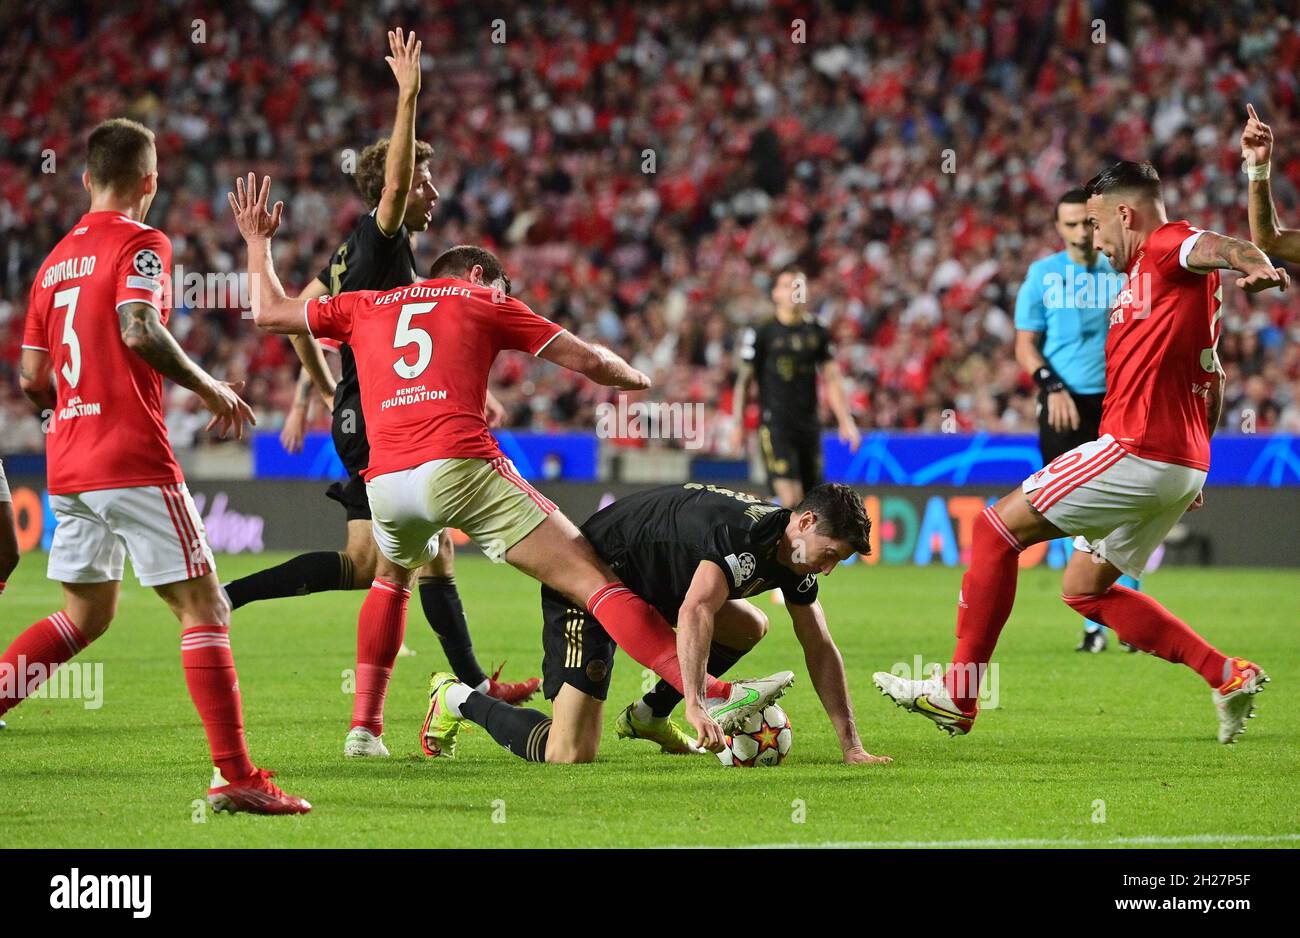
(1062, 312)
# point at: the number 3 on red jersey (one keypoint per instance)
(72, 367)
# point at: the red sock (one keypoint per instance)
(380, 628)
(1141, 621)
(988, 591)
(639, 629)
(214, 688)
(48, 643)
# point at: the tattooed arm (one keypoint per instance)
(1264, 230)
(1256, 150)
(145, 335)
(1218, 252)
(36, 377)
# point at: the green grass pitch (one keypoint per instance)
(1113, 749)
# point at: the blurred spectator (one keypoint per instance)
(644, 168)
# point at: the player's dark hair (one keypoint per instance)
(840, 514)
(117, 154)
(369, 176)
(1076, 196)
(1126, 176)
(458, 261)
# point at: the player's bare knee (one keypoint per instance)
(570, 752)
(364, 564)
(390, 572)
(752, 629)
(92, 622)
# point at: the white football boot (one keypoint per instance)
(1234, 699)
(747, 698)
(927, 697)
(363, 744)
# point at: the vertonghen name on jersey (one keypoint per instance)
(419, 293)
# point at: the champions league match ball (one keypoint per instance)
(764, 739)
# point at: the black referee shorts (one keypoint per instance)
(1053, 444)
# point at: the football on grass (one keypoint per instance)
(764, 739)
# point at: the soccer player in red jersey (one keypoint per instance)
(1121, 494)
(423, 355)
(95, 350)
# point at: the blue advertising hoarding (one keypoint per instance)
(884, 458)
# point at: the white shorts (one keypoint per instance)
(157, 526)
(4, 486)
(486, 499)
(1118, 505)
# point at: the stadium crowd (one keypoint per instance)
(644, 169)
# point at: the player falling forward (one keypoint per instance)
(95, 350)
(423, 357)
(393, 177)
(693, 552)
(1119, 495)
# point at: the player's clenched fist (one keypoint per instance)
(249, 205)
(1256, 139)
(229, 410)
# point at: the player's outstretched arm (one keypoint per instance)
(145, 335)
(595, 361)
(272, 309)
(1213, 251)
(839, 404)
(36, 378)
(707, 592)
(310, 352)
(1257, 150)
(739, 398)
(826, 668)
(399, 166)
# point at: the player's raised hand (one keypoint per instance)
(1264, 278)
(1256, 139)
(405, 60)
(859, 756)
(229, 410)
(249, 205)
(708, 731)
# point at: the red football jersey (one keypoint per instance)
(1160, 352)
(107, 431)
(423, 355)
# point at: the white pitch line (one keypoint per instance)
(1148, 841)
